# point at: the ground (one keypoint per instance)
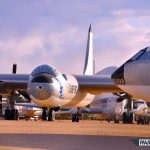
(72, 136)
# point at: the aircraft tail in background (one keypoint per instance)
(89, 62)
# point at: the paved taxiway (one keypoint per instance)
(65, 135)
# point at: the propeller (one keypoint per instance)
(14, 69)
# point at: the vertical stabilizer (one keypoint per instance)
(88, 66)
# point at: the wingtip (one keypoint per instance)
(90, 28)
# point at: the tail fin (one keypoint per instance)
(89, 66)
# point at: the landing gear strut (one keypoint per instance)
(48, 114)
(75, 118)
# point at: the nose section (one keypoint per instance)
(40, 91)
(40, 86)
(42, 78)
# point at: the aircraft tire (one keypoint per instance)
(50, 115)
(73, 117)
(44, 116)
(131, 118)
(27, 118)
(138, 121)
(142, 121)
(7, 114)
(124, 118)
(116, 121)
(77, 118)
(14, 114)
(147, 121)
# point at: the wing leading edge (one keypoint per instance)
(93, 84)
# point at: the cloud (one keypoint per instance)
(120, 40)
(37, 48)
(55, 32)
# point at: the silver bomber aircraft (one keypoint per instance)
(52, 89)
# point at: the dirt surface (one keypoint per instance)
(67, 127)
(86, 134)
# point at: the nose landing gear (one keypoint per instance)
(48, 114)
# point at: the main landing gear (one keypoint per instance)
(128, 118)
(11, 114)
(76, 115)
(48, 114)
(75, 118)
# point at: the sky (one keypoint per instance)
(36, 32)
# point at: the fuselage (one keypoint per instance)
(133, 77)
(49, 88)
(107, 104)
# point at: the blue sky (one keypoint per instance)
(34, 32)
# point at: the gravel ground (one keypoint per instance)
(67, 127)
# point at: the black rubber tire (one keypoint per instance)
(142, 121)
(131, 118)
(50, 115)
(44, 115)
(27, 118)
(16, 117)
(14, 114)
(7, 114)
(124, 118)
(73, 118)
(116, 121)
(77, 118)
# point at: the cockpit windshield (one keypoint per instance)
(138, 55)
(145, 56)
(45, 69)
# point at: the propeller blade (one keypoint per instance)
(14, 68)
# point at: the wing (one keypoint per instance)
(12, 82)
(28, 105)
(93, 84)
(96, 84)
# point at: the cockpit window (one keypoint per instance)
(43, 78)
(65, 77)
(138, 55)
(45, 69)
(145, 56)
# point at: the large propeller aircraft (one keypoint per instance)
(50, 88)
